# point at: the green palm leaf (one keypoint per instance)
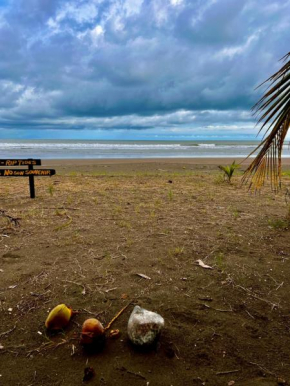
(273, 109)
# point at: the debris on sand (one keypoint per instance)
(201, 264)
(89, 374)
(114, 334)
(143, 276)
(144, 326)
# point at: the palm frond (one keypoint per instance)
(273, 109)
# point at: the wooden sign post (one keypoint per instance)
(30, 172)
(31, 183)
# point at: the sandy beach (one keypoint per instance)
(151, 164)
(96, 225)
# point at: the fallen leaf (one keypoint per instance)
(143, 276)
(12, 286)
(1, 270)
(231, 383)
(124, 296)
(201, 264)
(1, 347)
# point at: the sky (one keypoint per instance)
(137, 69)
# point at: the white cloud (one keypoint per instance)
(230, 52)
(108, 58)
(132, 7)
(200, 11)
(97, 32)
(176, 2)
(80, 13)
(7, 85)
(160, 12)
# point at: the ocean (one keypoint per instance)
(78, 149)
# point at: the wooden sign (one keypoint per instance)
(19, 162)
(26, 172)
(30, 172)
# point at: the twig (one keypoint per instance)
(14, 220)
(228, 372)
(73, 282)
(80, 268)
(250, 314)
(257, 297)
(117, 316)
(280, 285)
(48, 345)
(136, 374)
(262, 368)
(217, 309)
(7, 332)
(89, 312)
(111, 289)
(61, 207)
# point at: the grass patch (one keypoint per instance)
(279, 224)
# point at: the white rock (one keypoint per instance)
(144, 326)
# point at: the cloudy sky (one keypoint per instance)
(137, 69)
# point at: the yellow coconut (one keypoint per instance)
(58, 317)
(92, 331)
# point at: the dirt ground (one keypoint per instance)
(93, 228)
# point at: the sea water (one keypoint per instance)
(78, 149)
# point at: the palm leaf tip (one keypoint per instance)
(273, 109)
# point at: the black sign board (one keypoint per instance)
(26, 172)
(19, 162)
(30, 172)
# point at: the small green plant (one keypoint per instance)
(279, 224)
(177, 251)
(157, 203)
(50, 189)
(219, 260)
(107, 255)
(124, 224)
(170, 195)
(229, 170)
(236, 213)
(118, 209)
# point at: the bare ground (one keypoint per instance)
(91, 229)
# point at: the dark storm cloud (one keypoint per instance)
(136, 63)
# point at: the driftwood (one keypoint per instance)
(11, 219)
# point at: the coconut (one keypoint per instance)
(92, 332)
(58, 317)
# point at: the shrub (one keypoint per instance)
(229, 170)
